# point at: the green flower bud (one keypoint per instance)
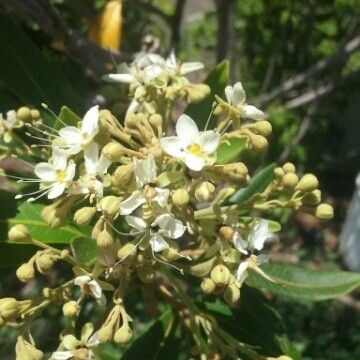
(290, 180)
(202, 269)
(113, 151)
(220, 275)
(9, 308)
(207, 286)
(123, 176)
(204, 191)
(312, 198)
(279, 172)
(45, 262)
(123, 335)
(110, 205)
(25, 272)
(289, 167)
(70, 308)
(180, 197)
(308, 182)
(84, 215)
(19, 233)
(24, 114)
(226, 234)
(231, 294)
(324, 211)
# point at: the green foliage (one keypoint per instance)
(228, 151)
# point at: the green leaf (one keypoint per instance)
(257, 185)
(30, 75)
(255, 322)
(68, 117)
(217, 80)
(230, 150)
(85, 250)
(150, 342)
(303, 284)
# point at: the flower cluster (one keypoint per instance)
(156, 194)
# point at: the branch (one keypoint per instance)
(83, 51)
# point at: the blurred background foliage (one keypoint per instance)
(298, 60)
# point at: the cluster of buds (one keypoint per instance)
(154, 199)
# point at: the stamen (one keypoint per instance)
(37, 137)
(52, 113)
(208, 120)
(166, 263)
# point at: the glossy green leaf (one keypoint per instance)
(150, 342)
(217, 80)
(85, 250)
(230, 150)
(255, 322)
(303, 284)
(29, 74)
(257, 185)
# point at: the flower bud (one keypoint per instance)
(155, 121)
(105, 238)
(308, 182)
(290, 180)
(324, 211)
(44, 262)
(279, 172)
(312, 198)
(84, 215)
(106, 333)
(127, 252)
(171, 253)
(123, 335)
(26, 351)
(98, 228)
(220, 275)
(35, 114)
(226, 234)
(70, 308)
(289, 167)
(196, 92)
(113, 151)
(180, 197)
(204, 191)
(207, 286)
(9, 308)
(24, 114)
(25, 272)
(258, 142)
(146, 274)
(110, 205)
(56, 215)
(231, 294)
(262, 127)
(19, 233)
(123, 175)
(233, 172)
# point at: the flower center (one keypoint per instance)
(60, 175)
(195, 149)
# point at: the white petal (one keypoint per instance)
(135, 200)
(133, 107)
(10, 119)
(161, 196)
(136, 222)
(262, 259)
(123, 78)
(259, 235)
(86, 331)
(170, 227)
(45, 172)
(70, 170)
(157, 243)
(173, 146)
(171, 62)
(189, 67)
(95, 289)
(90, 122)
(59, 159)
(252, 112)
(56, 190)
(193, 162)
(99, 188)
(241, 272)
(209, 141)
(91, 156)
(229, 93)
(71, 135)
(151, 72)
(93, 340)
(145, 171)
(239, 96)
(103, 165)
(239, 243)
(186, 129)
(81, 280)
(61, 355)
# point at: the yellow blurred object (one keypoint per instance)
(106, 30)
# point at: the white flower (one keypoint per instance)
(95, 167)
(191, 145)
(164, 226)
(236, 97)
(56, 177)
(9, 124)
(89, 286)
(252, 262)
(259, 235)
(145, 175)
(177, 68)
(75, 139)
(74, 347)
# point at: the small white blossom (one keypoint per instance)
(89, 286)
(259, 235)
(164, 226)
(96, 167)
(236, 97)
(252, 262)
(191, 145)
(176, 68)
(74, 139)
(8, 124)
(145, 174)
